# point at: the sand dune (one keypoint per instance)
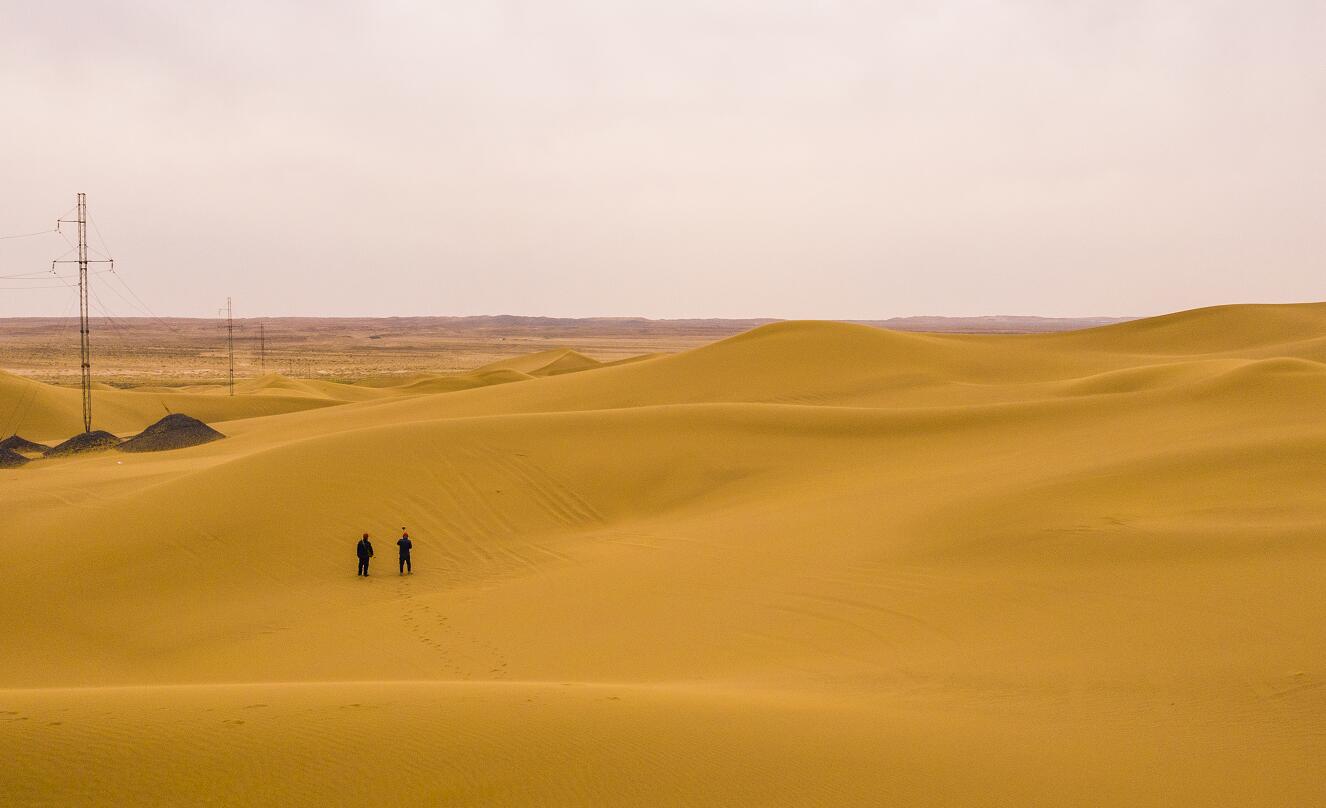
(51, 411)
(46, 412)
(545, 363)
(814, 564)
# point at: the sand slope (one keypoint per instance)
(815, 564)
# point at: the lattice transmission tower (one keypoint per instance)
(84, 327)
(230, 342)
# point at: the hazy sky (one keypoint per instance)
(671, 158)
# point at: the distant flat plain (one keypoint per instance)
(129, 352)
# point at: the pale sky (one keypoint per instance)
(670, 159)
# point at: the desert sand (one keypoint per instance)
(813, 564)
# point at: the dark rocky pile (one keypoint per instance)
(175, 431)
(10, 459)
(84, 442)
(15, 443)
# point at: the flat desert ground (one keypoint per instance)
(811, 564)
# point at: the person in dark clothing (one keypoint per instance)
(405, 544)
(364, 549)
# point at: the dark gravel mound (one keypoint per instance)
(84, 442)
(175, 431)
(10, 459)
(14, 443)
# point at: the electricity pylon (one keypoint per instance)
(84, 329)
(230, 342)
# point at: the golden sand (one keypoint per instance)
(814, 564)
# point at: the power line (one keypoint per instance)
(42, 280)
(35, 274)
(100, 237)
(116, 325)
(143, 307)
(30, 235)
(121, 296)
(141, 304)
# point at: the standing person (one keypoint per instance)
(405, 544)
(364, 549)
